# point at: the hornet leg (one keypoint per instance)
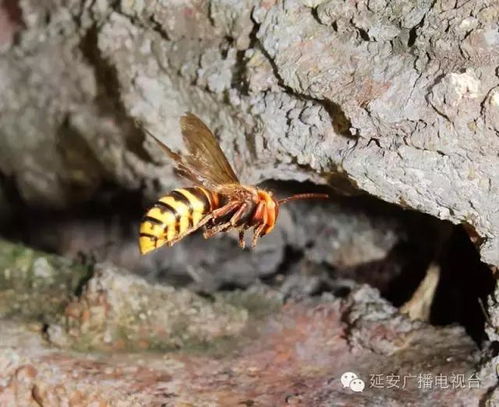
(225, 210)
(213, 230)
(256, 235)
(239, 214)
(210, 229)
(259, 229)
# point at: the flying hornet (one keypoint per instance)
(217, 202)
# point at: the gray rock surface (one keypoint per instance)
(117, 311)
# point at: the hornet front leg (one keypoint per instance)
(261, 219)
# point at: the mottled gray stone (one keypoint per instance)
(117, 310)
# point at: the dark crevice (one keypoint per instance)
(225, 47)
(423, 240)
(230, 286)
(375, 141)
(416, 259)
(464, 279)
(13, 201)
(413, 32)
(363, 34)
(86, 277)
(315, 15)
(239, 80)
(340, 121)
(437, 80)
(206, 295)
(254, 42)
(158, 28)
(291, 257)
(44, 332)
(412, 36)
(341, 183)
(464, 282)
(111, 215)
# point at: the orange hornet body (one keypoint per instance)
(217, 203)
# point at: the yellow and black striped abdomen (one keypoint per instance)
(175, 215)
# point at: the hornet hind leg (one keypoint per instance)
(212, 228)
(231, 223)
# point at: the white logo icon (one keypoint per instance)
(357, 385)
(351, 380)
(347, 377)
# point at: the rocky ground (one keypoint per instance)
(122, 341)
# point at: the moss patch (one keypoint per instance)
(35, 285)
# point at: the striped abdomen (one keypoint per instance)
(175, 215)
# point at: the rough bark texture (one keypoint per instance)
(399, 99)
